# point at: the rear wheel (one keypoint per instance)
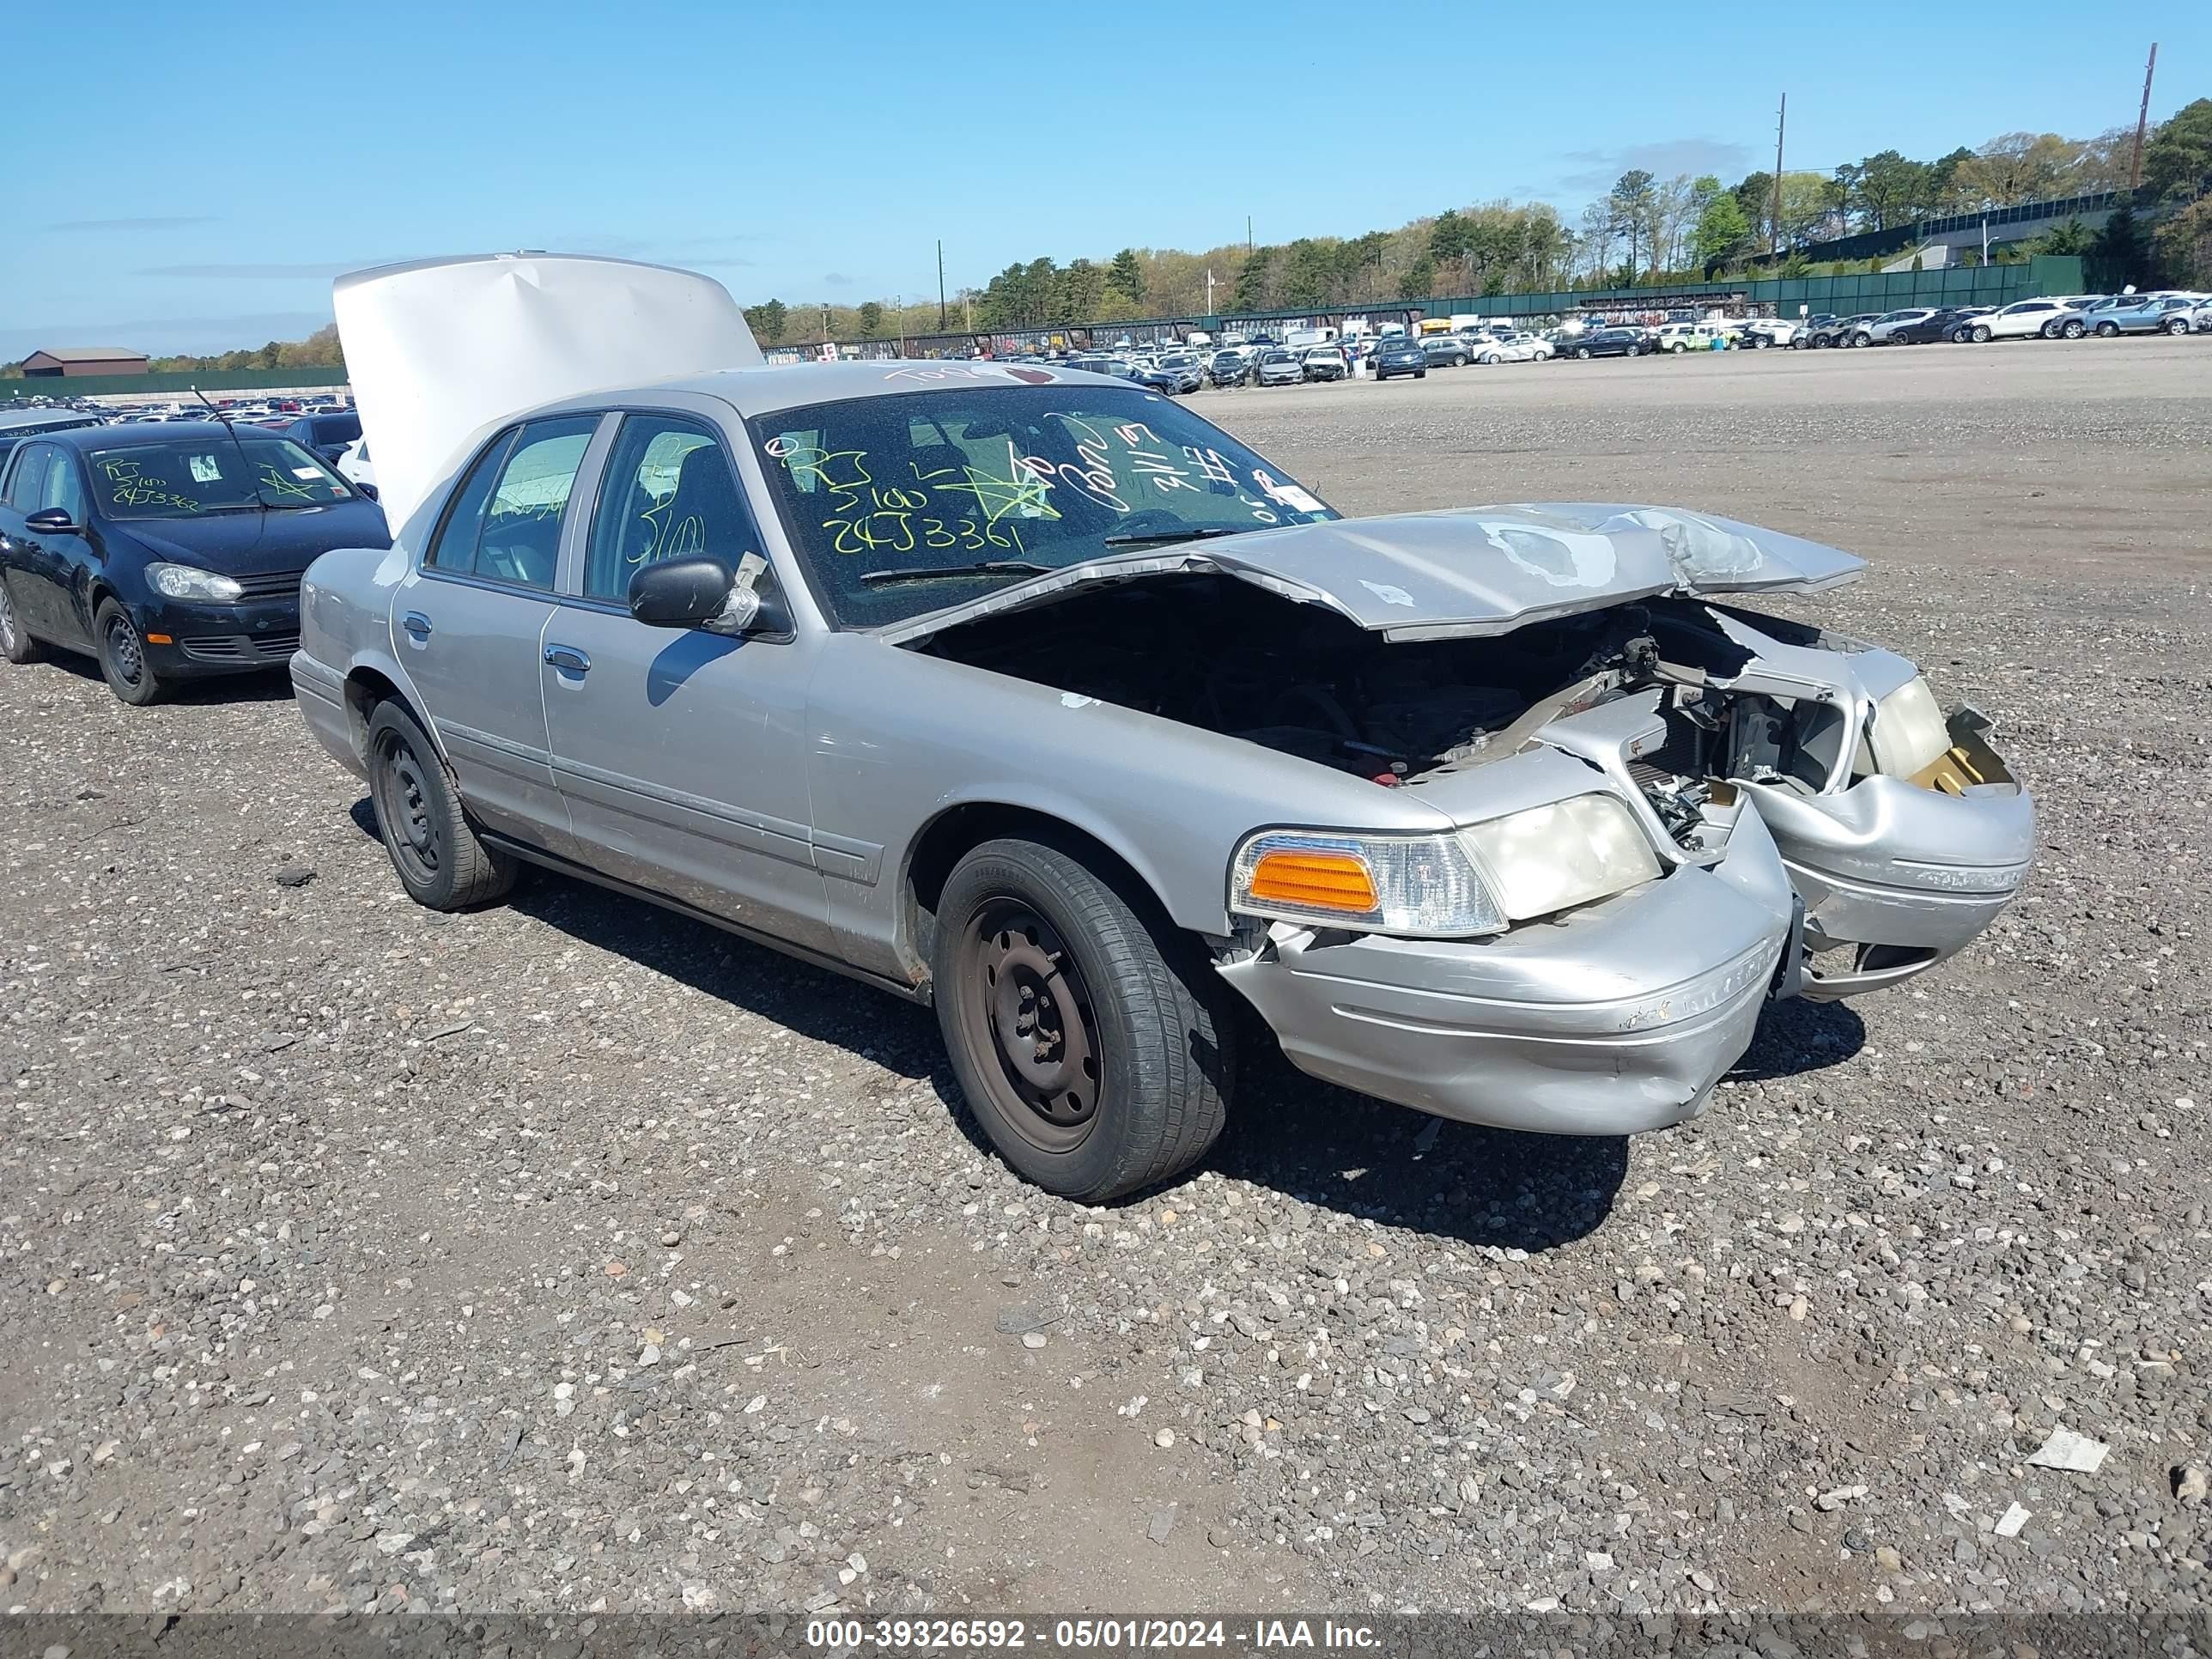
(121, 649)
(1580, 351)
(2107, 330)
(1981, 333)
(2178, 325)
(441, 862)
(2073, 329)
(1085, 1038)
(15, 645)
(2050, 329)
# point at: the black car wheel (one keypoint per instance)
(1420, 374)
(121, 649)
(441, 862)
(15, 645)
(1084, 1034)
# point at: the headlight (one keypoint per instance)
(1552, 858)
(182, 582)
(1420, 884)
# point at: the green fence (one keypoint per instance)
(207, 380)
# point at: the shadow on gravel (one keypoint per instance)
(273, 686)
(1329, 1146)
(1796, 1038)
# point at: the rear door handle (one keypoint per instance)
(568, 660)
(417, 626)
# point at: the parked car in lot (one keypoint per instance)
(1402, 354)
(1177, 374)
(1835, 331)
(1540, 347)
(1503, 347)
(1761, 333)
(2054, 328)
(1229, 367)
(1324, 363)
(1446, 351)
(1609, 343)
(2200, 316)
(1278, 367)
(168, 551)
(1678, 338)
(1926, 330)
(2145, 313)
(1493, 812)
(326, 435)
(18, 425)
(355, 467)
(1882, 331)
(2022, 320)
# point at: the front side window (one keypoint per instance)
(899, 505)
(62, 487)
(29, 477)
(232, 471)
(669, 494)
(505, 524)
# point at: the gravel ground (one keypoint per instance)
(566, 1256)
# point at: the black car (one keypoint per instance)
(1936, 325)
(168, 551)
(1448, 351)
(1609, 343)
(1229, 366)
(1400, 355)
(326, 435)
(1175, 374)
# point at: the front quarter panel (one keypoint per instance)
(898, 738)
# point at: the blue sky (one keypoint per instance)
(818, 152)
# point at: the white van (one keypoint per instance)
(1301, 339)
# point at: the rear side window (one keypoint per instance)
(510, 532)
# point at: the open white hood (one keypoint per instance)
(441, 351)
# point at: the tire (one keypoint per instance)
(121, 650)
(2073, 329)
(1862, 339)
(2049, 330)
(2107, 330)
(1131, 1089)
(439, 861)
(2177, 326)
(1583, 352)
(15, 645)
(1420, 374)
(1980, 333)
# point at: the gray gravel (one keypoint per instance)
(567, 1256)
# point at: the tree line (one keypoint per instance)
(1644, 230)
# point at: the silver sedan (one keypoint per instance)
(1030, 694)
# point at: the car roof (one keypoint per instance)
(93, 437)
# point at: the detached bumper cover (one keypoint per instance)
(1619, 1019)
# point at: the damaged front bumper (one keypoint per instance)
(1614, 1019)
(1897, 875)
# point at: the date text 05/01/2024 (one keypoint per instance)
(986, 1635)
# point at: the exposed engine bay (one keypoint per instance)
(1689, 701)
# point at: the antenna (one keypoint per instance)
(2142, 120)
(243, 465)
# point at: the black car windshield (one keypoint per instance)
(186, 478)
(909, 484)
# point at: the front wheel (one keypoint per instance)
(1580, 351)
(2107, 330)
(1083, 1031)
(2050, 329)
(121, 649)
(15, 645)
(2074, 331)
(441, 863)
(1420, 374)
(1981, 334)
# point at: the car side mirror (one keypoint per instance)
(52, 521)
(704, 592)
(368, 490)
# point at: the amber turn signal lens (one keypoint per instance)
(159, 639)
(1321, 881)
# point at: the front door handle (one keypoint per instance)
(568, 660)
(417, 626)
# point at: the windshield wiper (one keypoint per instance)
(1161, 537)
(930, 573)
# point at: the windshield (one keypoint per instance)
(906, 487)
(184, 477)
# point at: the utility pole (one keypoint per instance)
(940, 284)
(1209, 290)
(2142, 120)
(1247, 234)
(1774, 224)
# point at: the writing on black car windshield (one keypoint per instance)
(904, 504)
(183, 477)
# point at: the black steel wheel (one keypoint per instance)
(121, 649)
(440, 860)
(15, 645)
(1081, 1025)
